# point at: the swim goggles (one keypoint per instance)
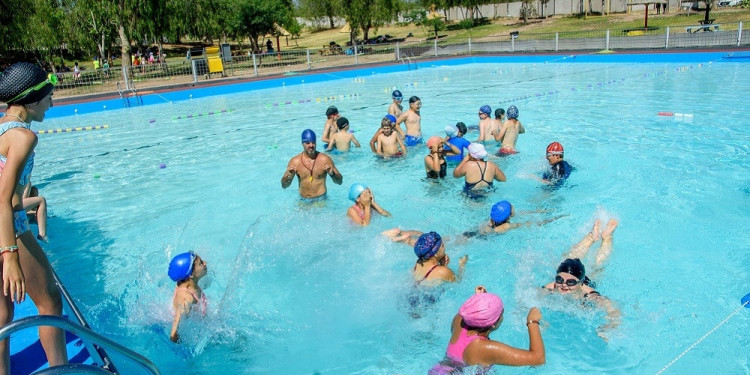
(568, 282)
(51, 79)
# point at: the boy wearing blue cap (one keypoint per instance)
(396, 109)
(485, 123)
(311, 169)
(500, 216)
(509, 132)
(186, 270)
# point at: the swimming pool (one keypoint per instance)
(297, 289)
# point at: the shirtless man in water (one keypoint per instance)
(330, 128)
(311, 169)
(509, 132)
(396, 109)
(413, 121)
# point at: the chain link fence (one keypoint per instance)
(134, 80)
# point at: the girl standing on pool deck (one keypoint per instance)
(186, 270)
(27, 89)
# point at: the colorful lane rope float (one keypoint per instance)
(68, 130)
(199, 115)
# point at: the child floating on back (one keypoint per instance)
(186, 270)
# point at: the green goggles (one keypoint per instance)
(51, 79)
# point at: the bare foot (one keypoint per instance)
(392, 232)
(607, 232)
(595, 230)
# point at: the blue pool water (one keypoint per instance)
(299, 290)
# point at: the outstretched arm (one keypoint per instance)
(460, 170)
(355, 141)
(499, 175)
(500, 134)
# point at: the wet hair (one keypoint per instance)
(461, 128)
(18, 78)
(499, 113)
(385, 121)
(414, 99)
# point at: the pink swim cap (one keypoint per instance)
(481, 310)
(433, 141)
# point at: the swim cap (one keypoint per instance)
(414, 99)
(461, 127)
(477, 151)
(355, 190)
(427, 245)
(481, 310)
(397, 95)
(181, 266)
(499, 112)
(331, 111)
(391, 118)
(308, 136)
(433, 141)
(451, 131)
(500, 212)
(19, 78)
(573, 267)
(512, 112)
(555, 148)
(342, 122)
(485, 109)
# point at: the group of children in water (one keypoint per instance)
(483, 312)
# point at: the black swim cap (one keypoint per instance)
(342, 122)
(573, 267)
(414, 99)
(19, 78)
(461, 128)
(331, 111)
(499, 112)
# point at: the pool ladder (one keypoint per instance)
(409, 61)
(94, 342)
(133, 93)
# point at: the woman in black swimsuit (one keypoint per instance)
(478, 174)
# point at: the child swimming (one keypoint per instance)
(186, 270)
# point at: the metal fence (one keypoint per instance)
(194, 71)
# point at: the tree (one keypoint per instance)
(319, 9)
(366, 14)
(255, 18)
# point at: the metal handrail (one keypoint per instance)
(93, 349)
(135, 93)
(125, 100)
(80, 331)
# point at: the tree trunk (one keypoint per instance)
(708, 9)
(330, 21)
(124, 45)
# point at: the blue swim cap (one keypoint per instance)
(181, 266)
(397, 94)
(308, 136)
(355, 191)
(427, 245)
(500, 212)
(512, 112)
(391, 118)
(485, 109)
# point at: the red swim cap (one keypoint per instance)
(555, 148)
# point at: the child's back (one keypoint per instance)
(342, 140)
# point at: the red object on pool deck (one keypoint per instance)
(665, 114)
